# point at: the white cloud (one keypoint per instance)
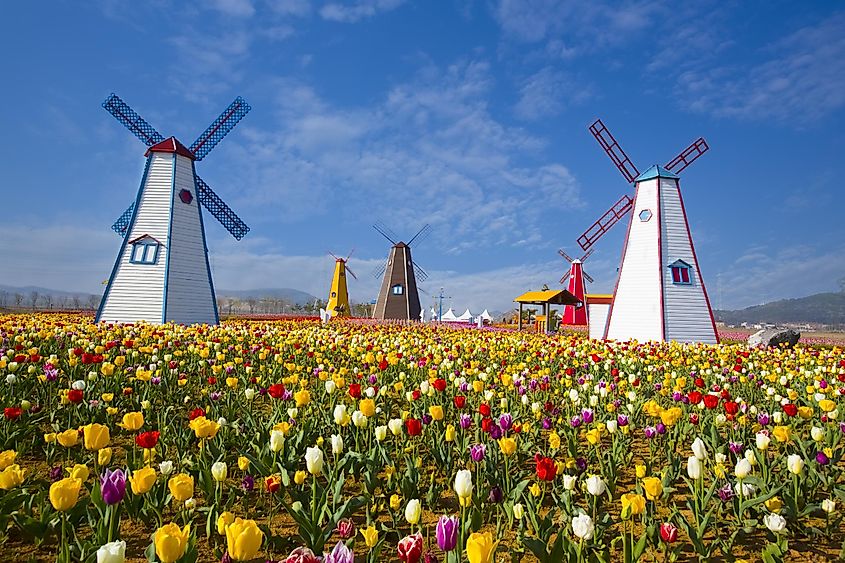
(298, 8)
(237, 8)
(357, 10)
(547, 92)
(800, 78)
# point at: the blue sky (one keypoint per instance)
(471, 116)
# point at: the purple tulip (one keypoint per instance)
(56, 473)
(661, 428)
(725, 493)
(580, 464)
(477, 452)
(426, 419)
(575, 421)
(506, 421)
(821, 458)
(447, 533)
(496, 495)
(113, 486)
(587, 416)
(622, 420)
(677, 396)
(248, 483)
(495, 432)
(823, 384)
(763, 419)
(429, 557)
(547, 424)
(735, 447)
(842, 427)
(650, 432)
(340, 554)
(466, 421)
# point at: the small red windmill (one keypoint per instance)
(576, 275)
(659, 294)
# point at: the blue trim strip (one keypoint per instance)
(205, 247)
(169, 241)
(125, 239)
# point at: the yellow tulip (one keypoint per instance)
(302, 397)
(224, 520)
(243, 539)
(50, 437)
(827, 405)
(370, 536)
(653, 487)
(64, 493)
(299, 477)
(670, 416)
(133, 421)
(507, 445)
(481, 547)
(436, 412)
(7, 458)
(243, 463)
(632, 505)
(142, 480)
(395, 502)
(11, 477)
(554, 441)
(96, 436)
(774, 504)
(68, 438)
(534, 490)
(640, 469)
(204, 428)
(181, 487)
(171, 542)
(594, 436)
(781, 433)
(368, 407)
(79, 471)
(231, 382)
(450, 433)
(805, 412)
(104, 456)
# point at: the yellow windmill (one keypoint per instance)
(338, 305)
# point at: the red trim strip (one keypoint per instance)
(660, 259)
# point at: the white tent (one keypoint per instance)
(449, 316)
(466, 317)
(486, 316)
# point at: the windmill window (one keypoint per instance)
(681, 273)
(144, 251)
(645, 215)
(397, 289)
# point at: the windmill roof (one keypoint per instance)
(655, 171)
(171, 145)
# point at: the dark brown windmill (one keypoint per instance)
(398, 297)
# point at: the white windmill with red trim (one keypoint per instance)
(660, 293)
(576, 276)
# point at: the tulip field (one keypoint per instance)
(292, 441)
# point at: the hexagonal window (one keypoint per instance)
(645, 215)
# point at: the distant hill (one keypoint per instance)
(18, 297)
(821, 308)
(293, 296)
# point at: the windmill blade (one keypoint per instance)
(421, 235)
(424, 291)
(132, 121)
(351, 273)
(614, 151)
(688, 156)
(564, 279)
(220, 128)
(383, 230)
(351, 252)
(587, 276)
(587, 255)
(565, 255)
(122, 222)
(379, 272)
(419, 273)
(333, 256)
(220, 210)
(605, 222)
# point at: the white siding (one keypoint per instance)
(137, 290)
(598, 319)
(687, 314)
(636, 312)
(189, 295)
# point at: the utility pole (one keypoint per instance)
(440, 298)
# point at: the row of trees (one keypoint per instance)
(35, 301)
(279, 306)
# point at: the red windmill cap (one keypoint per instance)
(171, 145)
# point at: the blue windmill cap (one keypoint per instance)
(655, 171)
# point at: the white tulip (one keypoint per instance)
(314, 460)
(10, 379)
(413, 510)
(293, 412)
(337, 444)
(742, 469)
(595, 486)
(518, 511)
(752, 459)
(78, 385)
(745, 490)
(330, 387)
(359, 420)
(583, 527)
(775, 522)
(828, 505)
(817, 433)
(381, 433)
(219, 471)
(191, 503)
(699, 449)
(693, 467)
(569, 482)
(341, 417)
(721, 458)
(395, 426)
(166, 468)
(762, 441)
(277, 441)
(795, 464)
(611, 425)
(249, 394)
(463, 483)
(114, 552)
(777, 417)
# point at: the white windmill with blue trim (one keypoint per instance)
(660, 293)
(162, 272)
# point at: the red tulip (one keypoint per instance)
(460, 401)
(12, 413)
(790, 409)
(147, 440)
(414, 426)
(276, 390)
(74, 396)
(355, 390)
(668, 532)
(196, 413)
(546, 469)
(695, 397)
(410, 548)
(710, 401)
(484, 409)
(440, 384)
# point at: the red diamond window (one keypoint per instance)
(186, 196)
